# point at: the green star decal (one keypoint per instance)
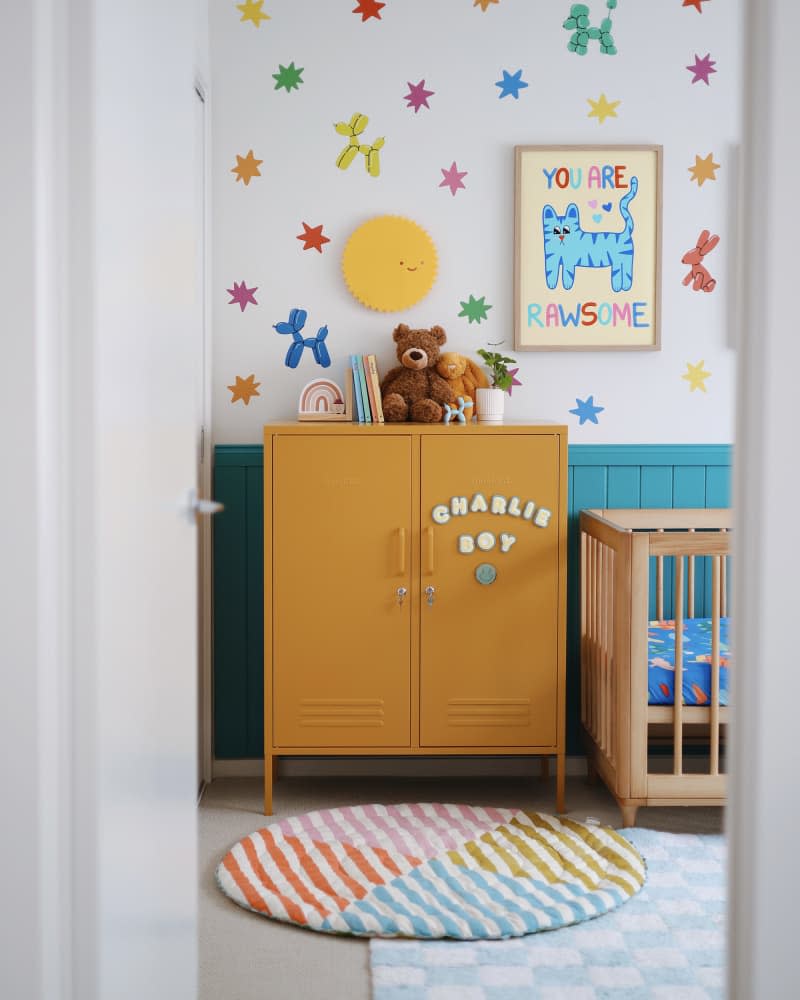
(475, 309)
(288, 77)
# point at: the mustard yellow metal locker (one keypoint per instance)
(414, 591)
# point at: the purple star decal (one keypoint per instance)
(242, 295)
(514, 381)
(702, 67)
(417, 95)
(452, 178)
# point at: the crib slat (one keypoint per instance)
(660, 585)
(677, 727)
(715, 604)
(690, 587)
(724, 585)
(593, 634)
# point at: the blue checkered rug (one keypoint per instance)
(668, 942)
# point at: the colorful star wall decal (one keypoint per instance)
(242, 295)
(453, 178)
(244, 389)
(289, 77)
(417, 95)
(602, 109)
(368, 9)
(514, 380)
(511, 84)
(703, 169)
(586, 410)
(484, 4)
(696, 376)
(702, 68)
(695, 4)
(313, 238)
(251, 11)
(475, 309)
(246, 168)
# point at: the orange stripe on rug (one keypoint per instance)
(285, 868)
(293, 911)
(358, 890)
(312, 870)
(243, 882)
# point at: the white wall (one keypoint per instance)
(461, 51)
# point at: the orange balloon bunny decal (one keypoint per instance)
(699, 277)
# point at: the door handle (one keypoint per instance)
(194, 506)
(401, 551)
(429, 551)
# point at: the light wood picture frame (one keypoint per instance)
(587, 238)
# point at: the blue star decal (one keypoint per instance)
(586, 410)
(511, 84)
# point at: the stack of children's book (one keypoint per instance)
(364, 385)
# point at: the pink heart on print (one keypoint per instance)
(592, 203)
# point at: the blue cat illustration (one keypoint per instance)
(567, 246)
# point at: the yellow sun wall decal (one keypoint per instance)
(389, 263)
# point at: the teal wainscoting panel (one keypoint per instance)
(239, 602)
(632, 476)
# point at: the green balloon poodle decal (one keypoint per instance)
(582, 33)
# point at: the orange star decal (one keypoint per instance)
(368, 9)
(244, 389)
(695, 4)
(703, 169)
(246, 168)
(313, 238)
(484, 4)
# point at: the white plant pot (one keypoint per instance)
(490, 405)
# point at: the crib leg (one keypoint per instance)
(629, 815)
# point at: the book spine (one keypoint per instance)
(359, 406)
(364, 395)
(376, 385)
(373, 410)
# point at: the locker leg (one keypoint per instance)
(561, 771)
(544, 764)
(270, 767)
(628, 815)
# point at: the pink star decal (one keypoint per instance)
(417, 95)
(702, 67)
(242, 295)
(514, 381)
(452, 178)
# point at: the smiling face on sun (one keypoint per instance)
(389, 263)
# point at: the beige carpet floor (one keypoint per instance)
(247, 957)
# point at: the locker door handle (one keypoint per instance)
(429, 551)
(401, 551)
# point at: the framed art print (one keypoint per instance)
(587, 227)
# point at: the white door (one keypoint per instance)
(102, 786)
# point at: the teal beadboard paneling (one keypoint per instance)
(632, 476)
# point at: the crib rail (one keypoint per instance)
(637, 564)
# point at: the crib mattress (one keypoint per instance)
(696, 662)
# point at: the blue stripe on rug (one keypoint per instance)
(667, 941)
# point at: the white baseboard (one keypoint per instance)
(396, 767)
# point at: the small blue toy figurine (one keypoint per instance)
(456, 413)
(297, 320)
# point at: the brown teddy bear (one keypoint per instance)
(463, 375)
(414, 390)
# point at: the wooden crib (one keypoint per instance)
(626, 556)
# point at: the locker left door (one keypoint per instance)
(341, 631)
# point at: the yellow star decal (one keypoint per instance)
(251, 11)
(484, 4)
(602, 109)
(244, 389)
(703, 170)
(246, 168)
(696, 375)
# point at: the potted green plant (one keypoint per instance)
(491, 400)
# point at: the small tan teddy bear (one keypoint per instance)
(414, 390)
(463, 376)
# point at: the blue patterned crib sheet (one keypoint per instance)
(696, 662)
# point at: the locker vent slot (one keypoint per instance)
(341, 712)
(489, 712)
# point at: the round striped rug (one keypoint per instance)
(428, 870)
